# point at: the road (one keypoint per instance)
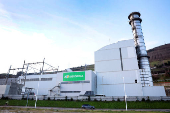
(58, 108)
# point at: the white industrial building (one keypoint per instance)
(62, 84)
(116, 67)
(121, 69)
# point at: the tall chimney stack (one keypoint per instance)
(143, 58)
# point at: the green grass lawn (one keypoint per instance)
(97, 104)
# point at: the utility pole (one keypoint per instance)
(125, 93)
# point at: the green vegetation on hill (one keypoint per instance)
(160, 70)
(83, 68)
(160, 63)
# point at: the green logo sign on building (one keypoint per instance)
(74, 76)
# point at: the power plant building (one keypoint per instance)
(62, 84)
(116, 67)
(121, 69)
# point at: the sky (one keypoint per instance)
(68, 32)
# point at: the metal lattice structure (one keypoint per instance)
(35, 68)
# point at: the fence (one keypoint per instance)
(86, 98)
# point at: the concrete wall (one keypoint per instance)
(7, 89)
(112, 63)
(94, 82)
(116, 56)
(44, 86)
(4, 89)
(154, 91)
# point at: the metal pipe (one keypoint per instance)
(143, 58)
(42, 67)
(25, 75)
(7, 76)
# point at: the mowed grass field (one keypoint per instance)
(97, 104)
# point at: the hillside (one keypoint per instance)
(160, 62)
(159, 53)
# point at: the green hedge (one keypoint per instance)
(97, 104)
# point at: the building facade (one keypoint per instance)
(62, 84)
(118, 73)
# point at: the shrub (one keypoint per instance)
(100, 99)
(113, 99)
(66, 98)
(143, 99)
(71, 99)
(137, 99)
(95, 99)
(89, 98)
(22, 97)
(118, 100)
(4, 98)
(148, 99)
(48, 98)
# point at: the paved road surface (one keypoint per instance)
(58, 108)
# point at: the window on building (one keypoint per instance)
(70, 91)
(46, 79)
(31, 79)
(34, 79)
(89, 93)
(74, 82)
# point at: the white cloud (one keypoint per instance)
(16, 47)
(70, 48)
(151, 44)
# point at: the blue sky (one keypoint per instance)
(67, 32)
